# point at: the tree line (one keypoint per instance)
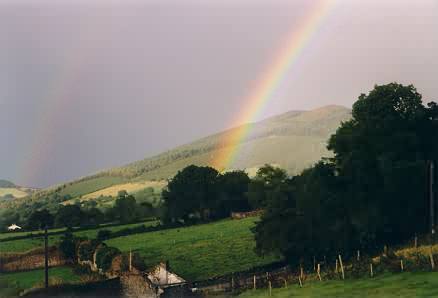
(125, 209)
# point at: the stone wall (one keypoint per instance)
(30, 260)
(134, 284)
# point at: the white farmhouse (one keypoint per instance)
(14, 227)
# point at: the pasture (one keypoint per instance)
(11, 284)
(408, 284)
(201, 251)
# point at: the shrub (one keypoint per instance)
(86, 249)
(104, 257)
(103, 235)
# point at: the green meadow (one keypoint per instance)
(201, 251)
(418, 284)
(11, 284)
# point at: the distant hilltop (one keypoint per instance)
(6, 184)
(9, 191)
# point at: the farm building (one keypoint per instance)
(14, 227)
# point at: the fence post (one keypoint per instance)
(432, 262)
(342, 267)
(130, 261)
(254, 282)
(319, 272)
(401, 265)
(358, 255)
(371, 270)
(314, 263)
(270, 288)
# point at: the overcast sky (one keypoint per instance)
(87, 85)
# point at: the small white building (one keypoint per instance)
(14, 227)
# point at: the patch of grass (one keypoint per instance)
(13, 283)
(87, 186)
(25, 233)
(419, 284)
(199, 252)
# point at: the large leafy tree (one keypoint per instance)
(191, 194)
(267, 179)
(126, 208)
(296, 221)
(69, 216)
(40, 219)
(381, 156)
(232, 189)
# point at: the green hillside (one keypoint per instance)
(293, 140)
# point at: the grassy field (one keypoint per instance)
(13, 283)
(199, 252)
(419, 284)
(23, 245)
(90, 185)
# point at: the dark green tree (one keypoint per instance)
(381, 157)
(301, 216)
(40, 219)
(69, 216)
(191, 194)
(126, 208)
(67, 246)
(267, 179)
(232, 194)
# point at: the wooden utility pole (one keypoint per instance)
(46, 258)
(432, 199)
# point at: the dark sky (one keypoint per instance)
(87, 85)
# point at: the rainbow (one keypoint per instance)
(284, 61)
(55, 101)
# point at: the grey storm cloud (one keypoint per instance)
(87, 85)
